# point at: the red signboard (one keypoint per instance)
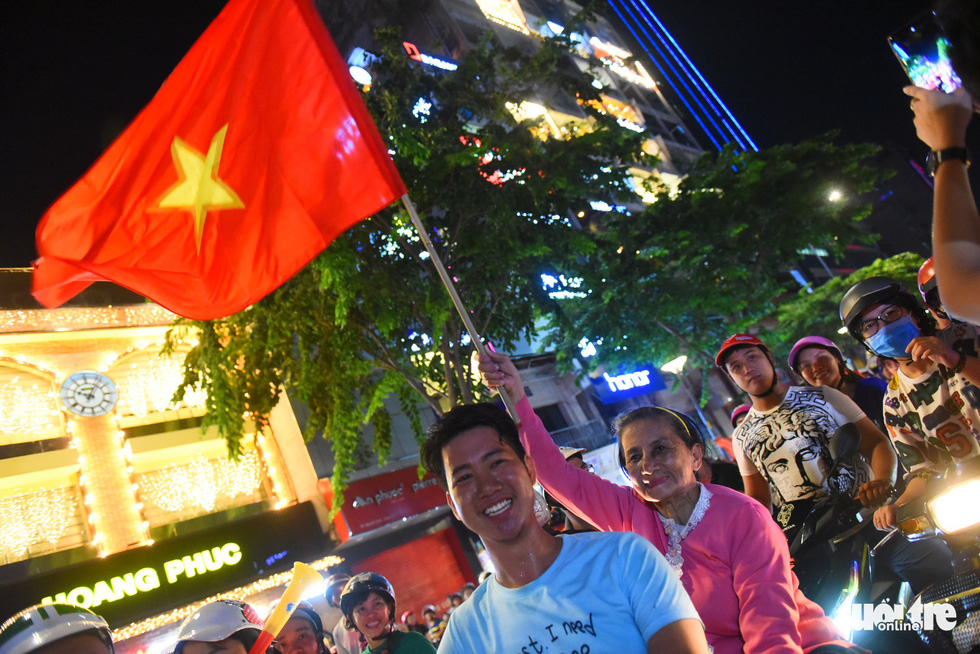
(423, 571)
(376, 501)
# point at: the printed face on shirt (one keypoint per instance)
(798, 465)
(658, 461)
(790, 448)
(751, 369)
(491, 490)
(819, 367)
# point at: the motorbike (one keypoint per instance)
(950, 509)
(833, 544)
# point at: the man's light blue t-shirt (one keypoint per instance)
(606, 592)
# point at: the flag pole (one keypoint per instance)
(460, 307)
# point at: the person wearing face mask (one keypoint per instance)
(932, 405)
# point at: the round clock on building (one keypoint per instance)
(89, 393)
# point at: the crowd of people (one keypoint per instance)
(692, 555)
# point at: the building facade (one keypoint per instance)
(111, 494)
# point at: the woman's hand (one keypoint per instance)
(499, 371)
(885, 518)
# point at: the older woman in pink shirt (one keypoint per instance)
(730, 555)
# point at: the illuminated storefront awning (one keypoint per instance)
(505, 12)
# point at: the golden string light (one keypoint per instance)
(240, 593)
(504, 12)
(201, 486)
(28, 408)
(276, 476)
(36, 518)
(147, 381)
(72, 318)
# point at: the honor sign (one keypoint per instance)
(145, 580)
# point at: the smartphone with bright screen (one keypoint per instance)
(922, 50)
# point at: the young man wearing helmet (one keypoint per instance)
(345, 641)
(368, 603)
(597, 592)
(227, 626)
(55, 629)
(567, 521)
(435, 625)
(932, 405)
(784, 439)
(820, 362)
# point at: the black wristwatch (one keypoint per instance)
(935, 158)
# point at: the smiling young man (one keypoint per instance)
(596, 592)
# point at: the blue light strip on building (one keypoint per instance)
(706, 107)
(647, 43)
(686, 80)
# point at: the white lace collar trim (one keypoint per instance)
(676, 533)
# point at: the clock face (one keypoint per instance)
(89, 393)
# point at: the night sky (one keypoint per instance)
(75, 73)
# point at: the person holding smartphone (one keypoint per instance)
(941, 121)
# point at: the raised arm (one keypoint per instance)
(941, 120)
(607, 506)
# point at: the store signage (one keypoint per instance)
(615, 387)
(173, 572)
(383, 499)
(637, 379)
(147, 579)
(414, 53)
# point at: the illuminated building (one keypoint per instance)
(111, 495)
(710, 112)
(438, 32)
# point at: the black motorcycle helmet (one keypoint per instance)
(358, 588)
(880, 290)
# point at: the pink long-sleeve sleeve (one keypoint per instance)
(768, 615)
(607, 506)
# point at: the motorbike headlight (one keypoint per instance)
(956, 508)
(843, 613)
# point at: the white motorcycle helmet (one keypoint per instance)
(43, 624)
(219, 621)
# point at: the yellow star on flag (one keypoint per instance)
(198, 188)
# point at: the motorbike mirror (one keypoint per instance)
(845, 442)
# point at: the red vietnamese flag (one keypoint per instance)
(252, 157)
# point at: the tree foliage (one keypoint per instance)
(816, 311)
(711, 258)
(369, 318)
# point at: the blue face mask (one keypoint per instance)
(891, 340)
